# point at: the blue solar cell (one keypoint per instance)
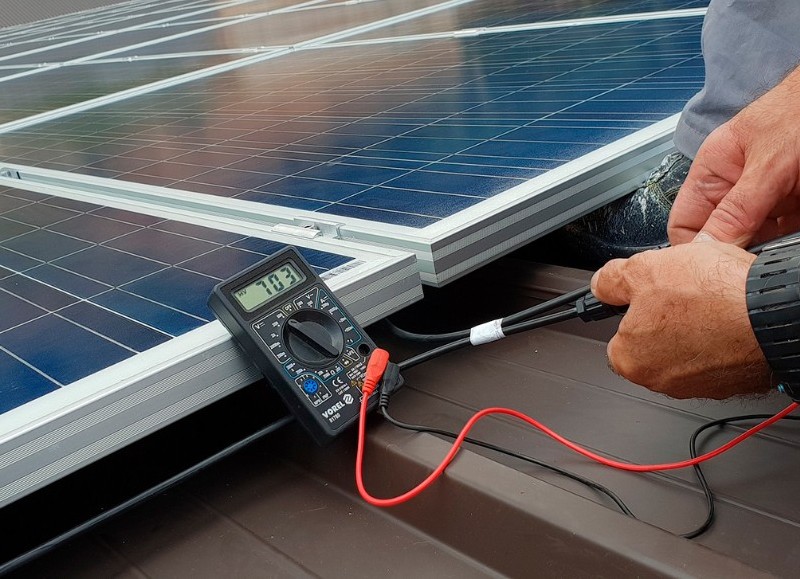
(60, 349)
(381, 215)
(16, 311)
(179, 289)
(44, 245)
(20, 383)
(67, 281)
(9, 228)
(132, 334)
(37, 293)
(108, 265)
(154, 315)
(92, 228)
(161, 246)
(223, 262)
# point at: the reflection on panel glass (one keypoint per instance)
(485, 13)
(404, 133)
(285, 28)
(113, 33)
(64, 86)
(84, 286)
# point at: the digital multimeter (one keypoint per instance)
(301, 338)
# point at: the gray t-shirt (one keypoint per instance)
(748, 47)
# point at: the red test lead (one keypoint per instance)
(380, 367)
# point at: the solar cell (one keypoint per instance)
(404, 134)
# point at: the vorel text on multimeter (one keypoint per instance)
(301, 338)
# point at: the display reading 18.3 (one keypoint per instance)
(265, 288)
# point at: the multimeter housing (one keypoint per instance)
(301, 337)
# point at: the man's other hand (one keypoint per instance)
(744, 184)
(687, 333)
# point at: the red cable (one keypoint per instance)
(391, 502)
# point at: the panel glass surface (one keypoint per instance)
(284, 28)
(406, 133)
(83, 286)
(486, 13)
(113, 34)
(101, 18)
(64, 86)
(94, 44)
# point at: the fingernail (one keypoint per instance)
(702, 237)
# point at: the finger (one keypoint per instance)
(692, 207)
(741, 213)
(611, 283)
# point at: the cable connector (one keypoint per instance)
(590, 309)
(392, 382)
(376, 366)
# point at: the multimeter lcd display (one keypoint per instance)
(268, 286)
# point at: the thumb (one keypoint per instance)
(611, 284)
(739, 215)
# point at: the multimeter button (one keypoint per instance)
(310, 386)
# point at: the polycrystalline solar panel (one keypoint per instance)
(104, 312)
(94, 20)
(405, 134)
(53, 52)
(98, 30)
(33, 94)
(284, 28)
(487, 13)
(84, 286)
(115, 36)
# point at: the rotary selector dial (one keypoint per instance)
(313, 337)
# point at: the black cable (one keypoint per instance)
(147, 494)
(514, 329)
(709, 520)
(585, 481)
(537, 310)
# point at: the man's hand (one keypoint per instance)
(744, 184)
(687, 333)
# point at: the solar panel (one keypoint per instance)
(99, 19)
(94, 297)
(405, 134)
(113, 37)
(484, 13)
(33, 94)
(286, 28)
